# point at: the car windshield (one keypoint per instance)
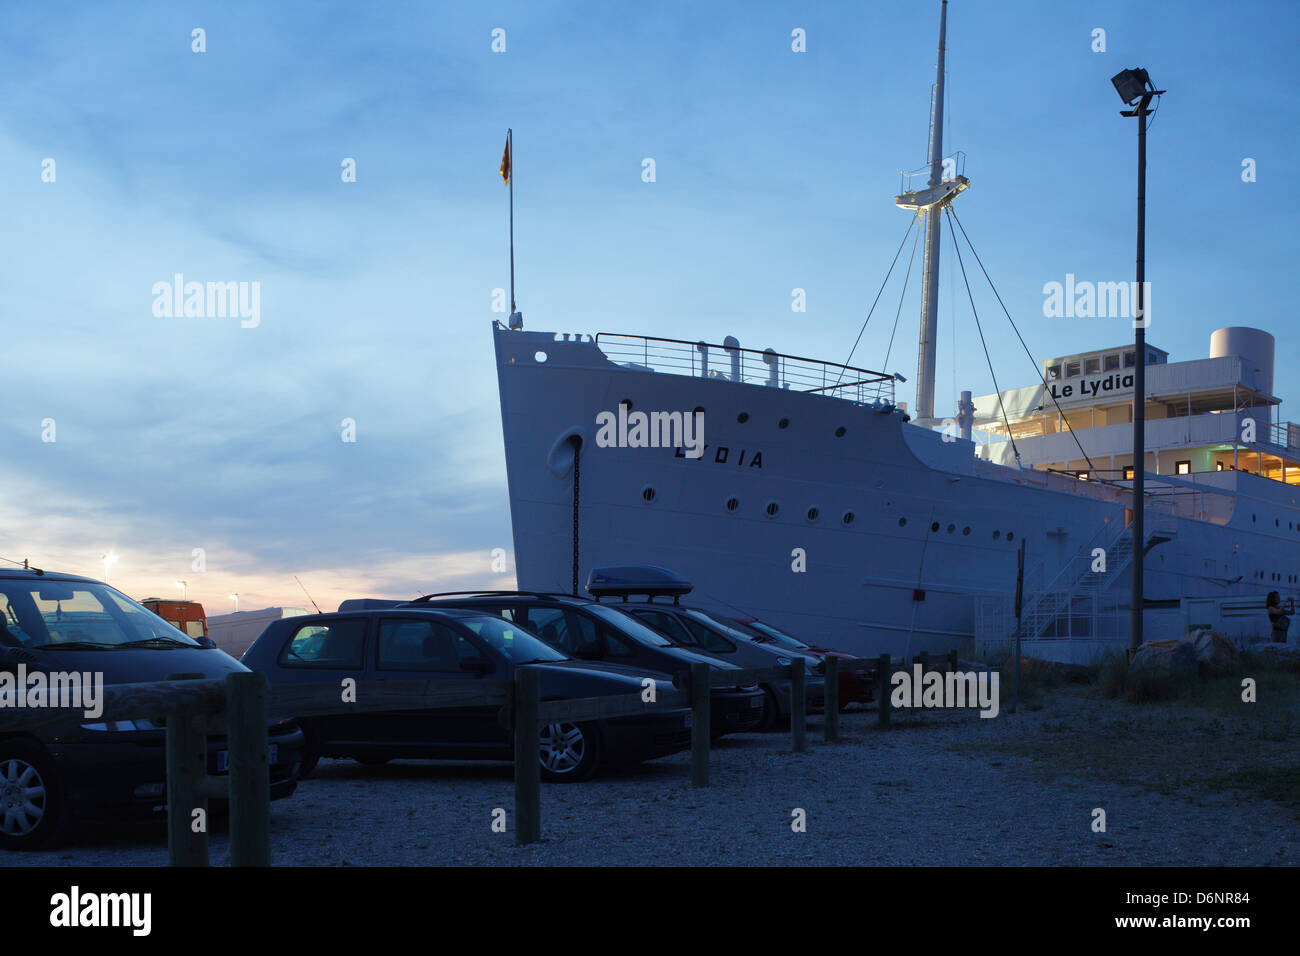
(781, 637)
(52, 613)
(628, 625)
(515, 644)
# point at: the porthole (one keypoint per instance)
(996, 535)
(783, 423)
(733, 504)
(648, 494)
(539, 356)
(813, 514)
(848, 518)
(1010, 535)
(839, 432)
(772, 509)
(934, 526)
(902, 522)
(966, 530)
(742, 417)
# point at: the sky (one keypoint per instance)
(211, 449)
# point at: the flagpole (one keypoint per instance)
(510, 146)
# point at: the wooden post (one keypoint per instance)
(883, 686)
(831, 697)
(528, 769)
(187, 765)
(798, 706)
(247, 701)
(701, 729)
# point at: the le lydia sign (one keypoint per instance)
(1091, 387)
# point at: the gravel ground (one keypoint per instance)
(926, 792)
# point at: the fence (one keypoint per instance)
(242, 707)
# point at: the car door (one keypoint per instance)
(328, 651)
(424, 648)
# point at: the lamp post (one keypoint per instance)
(109, 559)
(235, 596)
(184, 586)
(1136, 90)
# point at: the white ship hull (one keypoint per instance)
(933, 534)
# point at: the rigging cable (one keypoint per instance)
(1037, 366)
(980, 329)
(910, 224)
(901, 296)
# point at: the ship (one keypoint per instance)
(816, 501)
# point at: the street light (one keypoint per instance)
(108, 559)
(235, 595)
(1136, 90)
(184, 586)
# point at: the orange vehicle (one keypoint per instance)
(186, 616)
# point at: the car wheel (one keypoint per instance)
(372, 761)
(771, 711)
(568, 752)
(32, 810)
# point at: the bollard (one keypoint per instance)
(187, 766)
(701, 730)
(247, 714)
(831, 722)
(883, 668)
(528, 769)
(798, 706)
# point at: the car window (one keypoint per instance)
(338, 644)
(781, 637)
(512, 640)
(57, 612)
(709, 639)
(666, 624)
(561, 628)
(626, 624)
(412, 645)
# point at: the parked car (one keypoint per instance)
(186, 616)
(61, 623)
(393, 643)
(598, 632)
(856, 685)
(691, 628)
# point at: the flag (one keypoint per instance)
(505, 162)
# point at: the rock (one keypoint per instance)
(1164, 659)
(1282, 657)
(1214, 653)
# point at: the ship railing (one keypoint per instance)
(733, 363)
(1285, 435)
(913, 180)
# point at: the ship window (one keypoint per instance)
(1112, 362)
(539, 356)
(1010, 535)
(813, 513)
(742, 417)
(1182, 467)
(952, 528)
(648, 494)
(1092, 365)
(1128, 472)
(1218, 466)
(848, 518)
(902, 522)
(966, 530)
(1071, 369)
(733, 504)
(1081, 475)
(772, 509)
(1152, 358)
(1053, 372)
(934, 526)
(839, 432)
(783, 423)
(996, 535)
(1128, 360)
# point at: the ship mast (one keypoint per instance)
(929, 202)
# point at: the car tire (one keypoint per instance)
(33, 810)
(568, 752)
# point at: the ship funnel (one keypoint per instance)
(965, 415)
(1255, 346)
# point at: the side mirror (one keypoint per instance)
(589, 652)
(206, 642)
(477, 665)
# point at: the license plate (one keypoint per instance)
(689, 720)
(755, 703)
(223, 757)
